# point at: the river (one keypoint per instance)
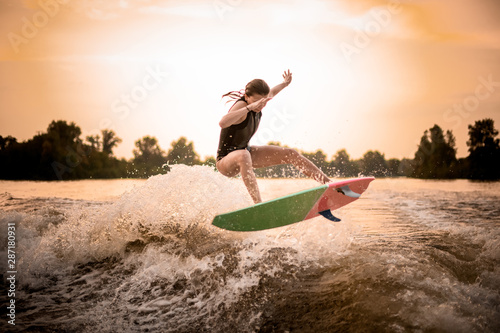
(141, 256)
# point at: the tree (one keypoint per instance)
(436, 155)
(6, 143)
(484, 150)
(95, 142)
(393, 166)
(276, 143)
(405, 167)
(343, 165)
(109, 141)
(182, 152)
(319, 159)
(63, 154)
(58, 154)
(10, 158)
(373, 163)
(210, 161)
(148, 157)
(63, 132)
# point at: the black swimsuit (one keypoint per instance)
(236, 137)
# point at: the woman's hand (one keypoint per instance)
(287, 77)
(259, 105)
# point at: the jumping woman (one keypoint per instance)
(235, 156)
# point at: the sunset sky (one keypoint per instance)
(367, 74)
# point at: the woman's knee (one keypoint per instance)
(225, 170)
(242, 157)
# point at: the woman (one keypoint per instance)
(235, 156)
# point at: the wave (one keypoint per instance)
(152, 257)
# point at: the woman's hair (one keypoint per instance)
(253, 87)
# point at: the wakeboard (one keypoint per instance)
(296, 207)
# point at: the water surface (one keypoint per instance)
(134, 256)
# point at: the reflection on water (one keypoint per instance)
(410, 255)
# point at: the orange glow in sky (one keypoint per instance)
(367, 75)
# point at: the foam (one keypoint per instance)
(176, 209)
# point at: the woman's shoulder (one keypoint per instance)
(241, 103)
(241, 99)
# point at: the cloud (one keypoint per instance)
(113, 9)
(93, 9)
(473, 23)
(100, 10)
(469, 23)
(30, 4)
(189, 10)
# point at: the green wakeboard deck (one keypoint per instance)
(271, 214)
(295, 207)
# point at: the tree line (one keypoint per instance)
(61, 154)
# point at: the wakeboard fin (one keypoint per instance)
(328, 215)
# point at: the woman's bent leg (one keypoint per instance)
(240, 161)
(264, 156)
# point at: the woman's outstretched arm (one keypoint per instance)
(287, 78)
